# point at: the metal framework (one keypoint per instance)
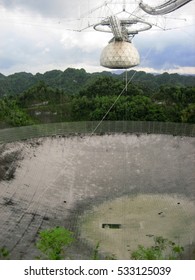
(122, 29)
(124, 25)
(165, 8)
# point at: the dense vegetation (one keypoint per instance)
(74, 95)
(53, 242)
(163, 249)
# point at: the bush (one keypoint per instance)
(163, 249)
(53, 242)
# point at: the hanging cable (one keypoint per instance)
(123, 90)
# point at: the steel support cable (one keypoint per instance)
(123, 90)
(172, 2)
(166, 8)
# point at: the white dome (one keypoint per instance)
(119, 55)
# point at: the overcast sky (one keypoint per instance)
(34, 37)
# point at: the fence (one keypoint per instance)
(68, 128)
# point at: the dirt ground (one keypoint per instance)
(59, 181)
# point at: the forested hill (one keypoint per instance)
(73, 80)
(75, 95)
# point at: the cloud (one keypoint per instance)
(46, 8)
(167, 55)
(173, 70)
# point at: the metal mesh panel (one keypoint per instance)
(34, 131)
(58, 179)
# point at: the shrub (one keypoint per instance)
(53, 242)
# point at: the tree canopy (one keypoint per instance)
(90, 96)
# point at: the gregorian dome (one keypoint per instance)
(120, 52)
(119, 55)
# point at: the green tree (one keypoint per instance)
(81, 108)
(188, 114)
(138, 108)
(12, 114)
(103, 86)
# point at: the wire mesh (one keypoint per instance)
(27, 132)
